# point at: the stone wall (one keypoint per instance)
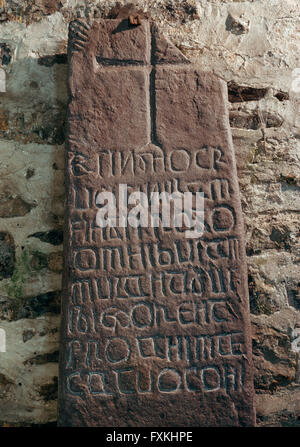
(254, 46)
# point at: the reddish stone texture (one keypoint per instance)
(155, 325)
(164, 51)
(28, 10)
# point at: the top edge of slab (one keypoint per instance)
(117, 42)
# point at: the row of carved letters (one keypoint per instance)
(218, 190)
(169, 283)
(129, 381)
(190, 349)
(148, 315)
(85, 229)
(118, 163)
(149, 256)
(184, 250)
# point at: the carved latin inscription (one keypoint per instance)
(153, 320)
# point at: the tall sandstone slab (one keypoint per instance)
(155, 325)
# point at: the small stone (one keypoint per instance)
(7, 255)
(34, 84)
(241, 93)
(38, 261)
(5, 54)
(30, 173)
(42, 359)
(281, 236)
(4, 380)
(134, 20)
(28, 335)
(49, 391)
(39, 305)
(237, 25)
(253, 120)
(282, 96)
(3, 121)
(11, 206)
(54, 237)
(55, 262)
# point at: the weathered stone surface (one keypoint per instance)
(28, 10)
(11, 206)
(164, 51)
(280, 409)
(109, 95)
(26, 377)
(154, 321)
(276, 368)
(264, 57)
(274, 360)
(124, 43)
(55, 262)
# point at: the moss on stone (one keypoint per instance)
(21, 273)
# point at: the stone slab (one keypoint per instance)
(155, 325)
